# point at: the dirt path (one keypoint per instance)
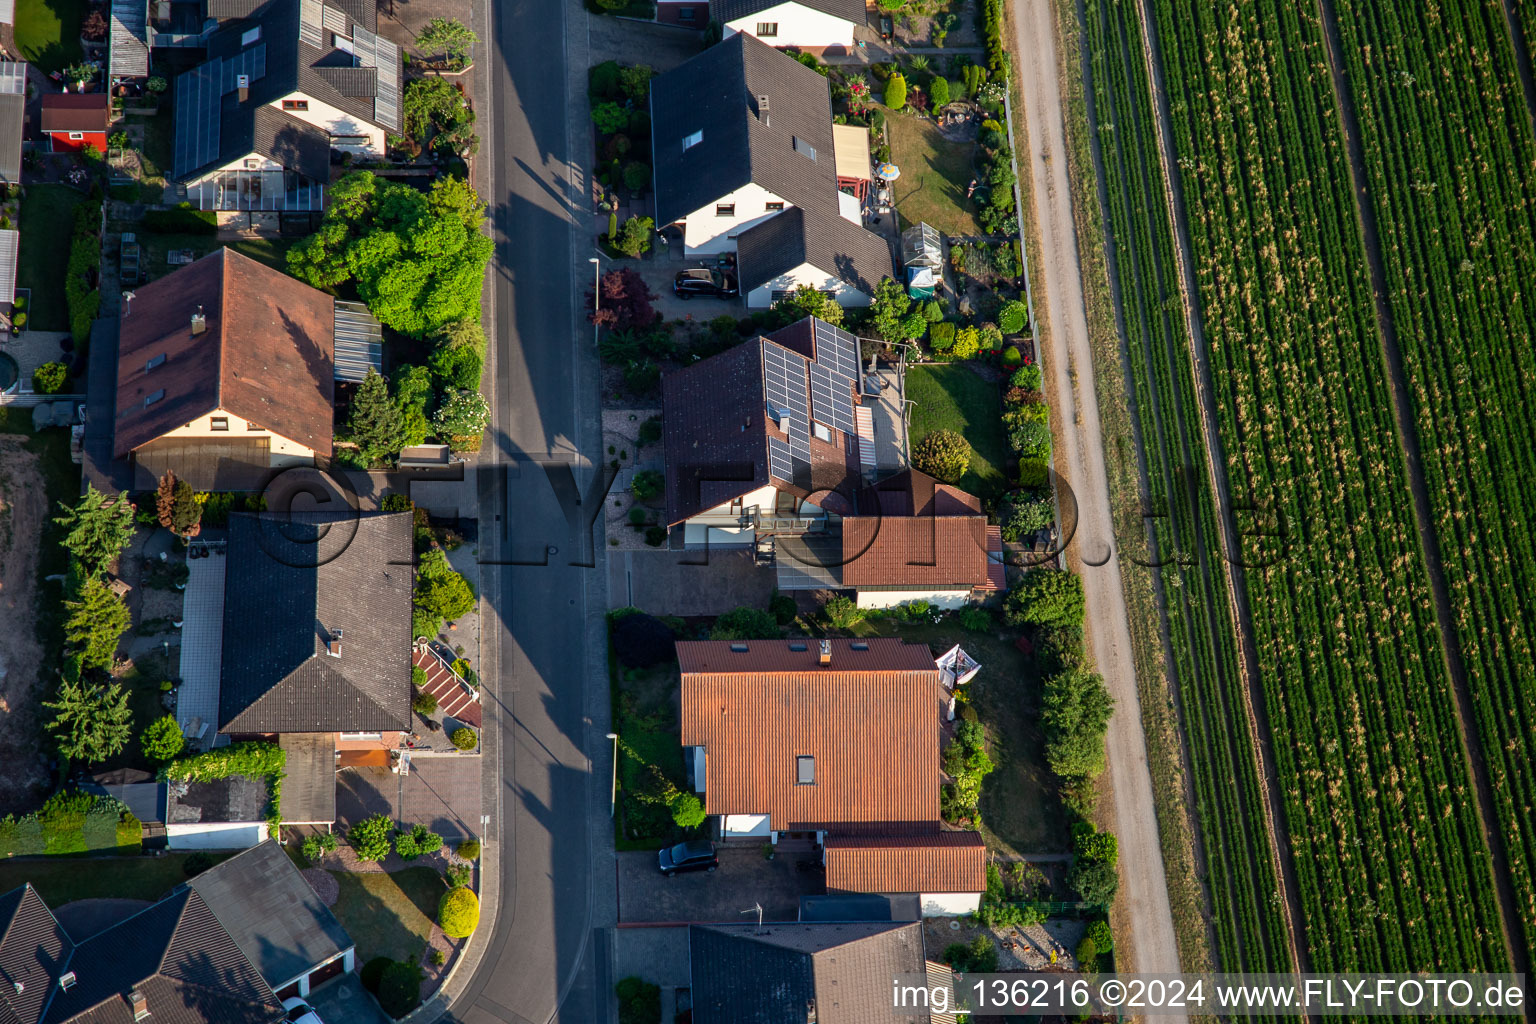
(23, 504)
(1069, 369)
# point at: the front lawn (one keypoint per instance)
(47, 223)
(645, 715)
(48, 32)
(61, 880)
(388, 914)
(954, 397)
(1021, 812)
(934, 175)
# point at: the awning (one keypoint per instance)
(850, 151)
(309, 783)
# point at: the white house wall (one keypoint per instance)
(735, 826)
(335, 121)
(283, 451)
(696, 535)
(950, 904)
(846, 294)
(798, 26)
(722, 515)
(215, 835)
(947, 599)
(706, 233)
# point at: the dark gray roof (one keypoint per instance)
(33, 951)
(826, 241)
(293, 581)
(860, 907)
(727, 11)
(743, 974)
(146, 800)
(271, 913)
(719, 93)
(352, 82)
(128, 42)
(232, 798)
(179, 957)
(309, 783)
(12, 112)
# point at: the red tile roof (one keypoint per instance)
(937, 863)
(76, 112)
(870, 721)
(915, 551)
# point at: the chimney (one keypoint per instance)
(137, 1003)
(199, 322)
(19, 987)
(810, 1011)
(67, 980)
(128, 298)
(243, 83)
(762, 110)
(333, 645)
(826, 653)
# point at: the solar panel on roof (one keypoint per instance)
(780, 464)
(372, 51)
(252, 63)
(837, 349)
(310, 15)
(197, 117)
(832, 398)
(784, 381)
(13, 77)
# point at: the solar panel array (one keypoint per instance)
(310, 15)
(375, 52)
(333, 19)
(780, 464)
(13, 78)
(832, 398)
(252, 63)
(837, 349)
(197, 117)
(784, 384)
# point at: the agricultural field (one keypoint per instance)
(1202, 658)
(1380, 809)
(1448, 151)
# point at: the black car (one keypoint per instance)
(698, 855)
(703, 281)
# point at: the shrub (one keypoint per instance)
(1103, 938)
(1087, 953)
(609, 117)
(50, 378)
(745, 624)
(647, 484)
(423, 703)
(372, 971)
(417, 841)
(991, 338)
(688, 811)
(1046, 597)
(650, 431)
(456, 367)
(458, 875)
(458, 913)
(655, 536)
(896, 91)
(967, 343)
(469, 849)
(1095, 881)
(1012, 317)
(317, 845)
(1025, 512)
(783, 608)
(977, 620)
(1030, 438)
(1033, 472)
(182, 220)
(634, 238)
(941, 337)
(418, 676)
(642, 641)
(843, 612)
(938, 92)
(637, 175)
(1075, 712)
(464, 739)
(977, 957)
(932, 311)
(1092, 844)
(603, 80)
(399, 988)
(943, 455)
(370, 837)
(162, 739)
(1012, 356)
(639, 1001)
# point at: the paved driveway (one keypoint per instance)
(745, 877)
(343, 1001)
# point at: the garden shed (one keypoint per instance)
(922, 259)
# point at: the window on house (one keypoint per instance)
(692, 139)
(251, 36)
(725, 209)
(773, 207)
(341, 43)
(76, 136)
(295, 104)
(767, 29)
(739, 648)
(252, 163)
(360, 735)
(251, 426)
(349, 140)
(218, 423)
(821, 431)
(154, 361)
(797, 647)
(805, 770)
(858, 646)
(804, 148)
(153, 397)
(685, 14)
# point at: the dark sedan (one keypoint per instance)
(698, 855)
(703, 281)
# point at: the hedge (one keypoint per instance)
(70, 823)
(182, 220)
(83, 300)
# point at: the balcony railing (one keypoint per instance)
(774, 523)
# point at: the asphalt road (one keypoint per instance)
(543, 960)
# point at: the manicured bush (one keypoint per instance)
(941, 337)
(370, 837)
(399, 988)
(943, 455)
(967, 343)
(647, 484)
(50, 378)
(469, 849)
(896, 91)
(464, 739)
(938, 92)
(418, 676)
(1012, 356)
(1012, 317)
(458, 913)
(745, 624)
(650, 431)
(1099, 932)
(1033, 472)
(456, 367)
(423, 703)
(162, 739)
(688, 811)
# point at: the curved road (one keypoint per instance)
(546, 711)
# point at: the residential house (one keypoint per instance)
(811, 25)
(172, 963)
(741, 134)
(224, 948)
(832, 743)
(75, 122)
(13, 119)
(826, 973)
(225, 373)
(772, 445)
(286, 82)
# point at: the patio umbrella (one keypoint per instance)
(887, 172)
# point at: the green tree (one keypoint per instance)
(896, 91)
(1046, 597)
(176, 506)
(1095, 881)
(444, 593)
(463, 334)
(456, 367)
(413, 395)
(162, 739)
(892, 314)
(1025, 512)
(807, 301)
(688, 811)
(943, 455)
(375, 423)
(746, 624)
(418, 260)
(97, 619)
(634, 237)
(98, 528)
(1075, 711)
(464, 414)
(448, 37)
(50, 378)
(370, 837)
(91, 722)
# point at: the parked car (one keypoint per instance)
(703, 281)
(698, 855)
(300, 1012)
